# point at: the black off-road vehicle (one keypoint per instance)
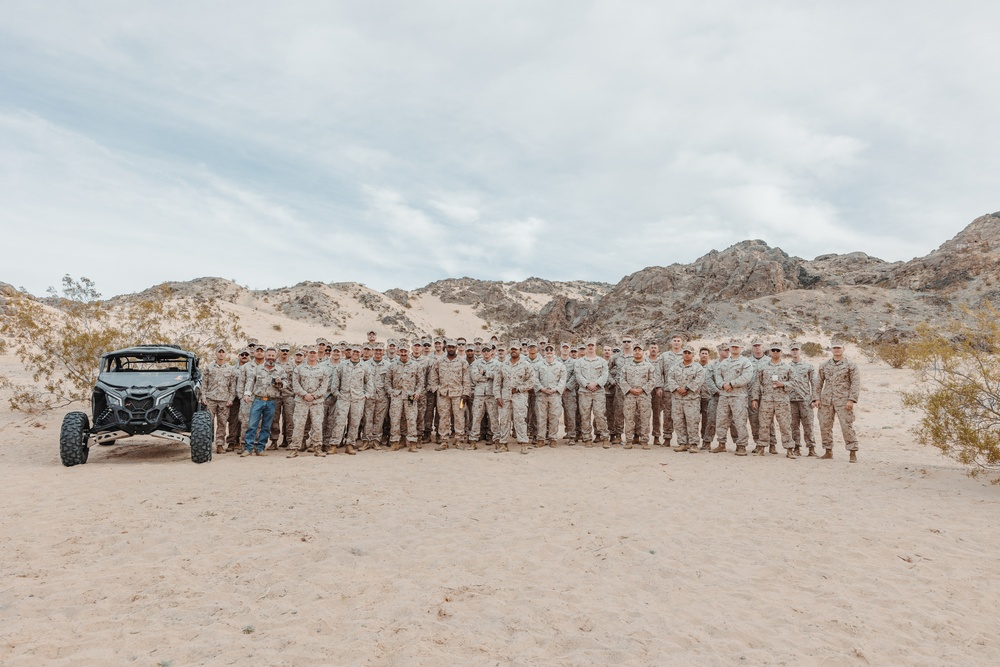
(143, 390)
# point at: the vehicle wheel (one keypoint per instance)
(201, 437)
(73, 448)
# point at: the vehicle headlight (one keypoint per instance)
(114, 399)
(166, 398)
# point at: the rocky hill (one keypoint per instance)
(748, 288)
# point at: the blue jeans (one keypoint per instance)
(261, 412)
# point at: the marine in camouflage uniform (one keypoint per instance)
(483, 373)
(613, 407)
(668, 360)
(758, 358)
(734, 376)
(636, 382)
(684, 384)
(838, 385)
(405, 384)
(592, 375)
(354, 386)
(451, 383)
(310, 386)
(800, 395)
(246, 371)
(709, 398)
(284, 409)
(550, 383)
(534, 359)
(235, 436)
(770, 397)
(218, 391)
(570, 417)
(512, 385)
(376, 407)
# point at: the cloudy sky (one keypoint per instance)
(396, 143)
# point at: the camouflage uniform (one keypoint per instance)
(639, 374)
(614, 398)
(235, 437)
(284, 410)
(754, 413)
(709, 403)
(656, 400)
(836, 383)
(800, 395)
(548, 407)
(532, 403)
(451, 382)
(738, 372)
(483, 374)
(512, 385)
(218, 390)
(405, 384)
(330, 405)
(686, 409)
(243, 376)
(570, 417)
(376, 407)
(773, 401)
(355, 385)
(668, 360)
(313, 380)
(591, 403)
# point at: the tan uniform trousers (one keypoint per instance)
(285, 411)
(592, 414)
(448, 408)
(668, 417)
(570, 416)
(403, 416)
(311, 412)
(349, 414)
(636, 411)
(514, 415)
(656, 403)
(802, 424)
(708, 406)
(329, 417)
(755, 420)
(617, 418)
(484, 405)
(220, 419)
(732, 411)
(376, 410)
(775, 411)
(233, 438)
(827, 411)
(548, 410)
(685, 413)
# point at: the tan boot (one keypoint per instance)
(854, 457)
(645, 445)
(349, 449)
(693, 449)
(396, 446)
(552, 444)
(605, 443)
(220, 450)
(524, 448)
(812, 452)
(790, 454)
(440, 448)
(412, 448)
(627, 445)
(320, 453)
(244, 454)
(827, 454)
(681, 448)
(741, 450)
(364, 447)
(292, 454)
(772, 449)
(656, 441)
(720, 448)
(798, 450)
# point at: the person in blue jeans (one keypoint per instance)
(262, 390)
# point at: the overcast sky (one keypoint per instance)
(396, 143)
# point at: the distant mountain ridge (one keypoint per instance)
(749, 288)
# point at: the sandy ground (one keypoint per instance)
(567, 556)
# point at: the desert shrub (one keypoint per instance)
(894, 354)
(959, 391)
(812, 349)
(60, 342)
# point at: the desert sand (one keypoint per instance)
(567, 556)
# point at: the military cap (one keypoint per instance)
(426, 343)
(735, 343)
(836, 342)
(591, 341)
(687, 347)
(795, 345)
(301, 351)
(366, 346)
(451, 342)
(355, 348)
(379, 346)
(284, 347)
(221, 347)
(321, 340)
(269, 349)
(549, 346)
(533, 343)
(514, 345)
(637, 345)
(776, 345)
(756, 341)
(392, 341)
(243, 352)
(582, 348)
(723, 346)
(616, 350)
(565, 344)
(477, 339)
(373, 332)
(252, 341)
(258, 346)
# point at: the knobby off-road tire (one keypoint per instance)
(73, 448)
(201, 437)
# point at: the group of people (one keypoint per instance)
(454, 394)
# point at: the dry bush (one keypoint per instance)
(812, 349)
(959, 394)
(60, 344)
(894, 354)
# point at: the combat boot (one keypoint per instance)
(605, 443)
(827, 454)
(589, 444)
(365, 446)
(412, 447)
(656, 441)
(474, 446)
(396, 446)
(645, 445)
(244, 454)
(349, 449)
(790, 454)
(524, 448)
(273, 445)
(220, 450)
(759, 449)
(441, 447)
(812, 452)
(798, 450)
(720, 448)
(627, 444)
(772, 449)
(376, 446)
(681, 448)
(292, 454)
(854, 457)
(693, 449)
(741, 450)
